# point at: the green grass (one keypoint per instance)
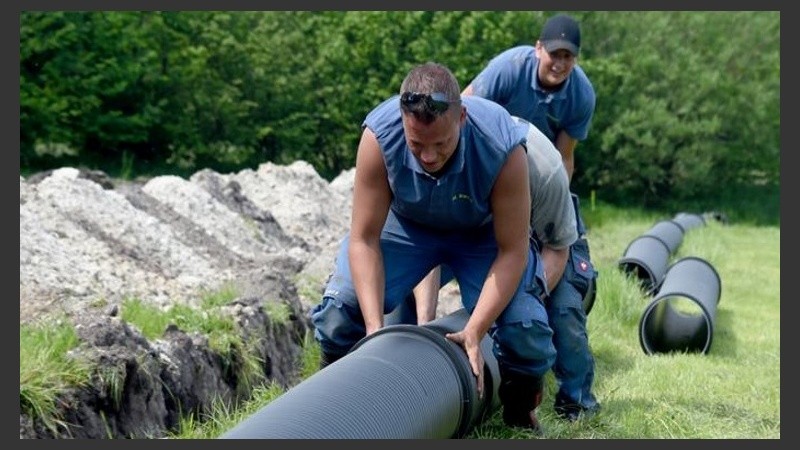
(45, 370)
(209, 321)
(152, 321)
(732, 392)
(223, 417)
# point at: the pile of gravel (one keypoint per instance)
(87, 241)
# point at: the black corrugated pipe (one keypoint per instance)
(647, 258)
(401, 382)
(687, 221)
(681, 315)
(669, 232)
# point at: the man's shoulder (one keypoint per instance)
(389, 103)
(523, 48)
(517, 52)
(388, 107)
(481, 109)
(385, 119)
(475, 101)
(491, 124)
(582, 82)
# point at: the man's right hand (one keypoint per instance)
(373, 328)
(472, 345)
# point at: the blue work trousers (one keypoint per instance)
(574, 366)
(523, 340)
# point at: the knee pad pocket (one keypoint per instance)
(528, 340)
(335, 327)
(580, 271)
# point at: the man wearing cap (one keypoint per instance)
(544, 85)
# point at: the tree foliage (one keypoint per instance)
(688, 102)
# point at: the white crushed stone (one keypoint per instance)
(84, 246)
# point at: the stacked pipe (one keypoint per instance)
(647, 256)
(681, 314)
(401, 382)
(688, 221)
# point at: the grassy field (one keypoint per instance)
(730, 392)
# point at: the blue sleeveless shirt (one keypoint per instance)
(460, 197)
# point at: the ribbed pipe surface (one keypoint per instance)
(402, 382)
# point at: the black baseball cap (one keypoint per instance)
(561, 31)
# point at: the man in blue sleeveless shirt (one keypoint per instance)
(441, 180)
(545, 86)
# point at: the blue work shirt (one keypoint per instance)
(460, 197)
(511, 80)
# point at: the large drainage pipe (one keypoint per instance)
(681, 316)
(669, 232)
(401, 382)
(646, 258)
(687, 221)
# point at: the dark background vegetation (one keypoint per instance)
(687, 116)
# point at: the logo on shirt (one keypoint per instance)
(461, 197)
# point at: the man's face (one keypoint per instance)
(554, 67)
(433, 144)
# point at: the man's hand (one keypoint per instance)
(472, 345)
(373, 328)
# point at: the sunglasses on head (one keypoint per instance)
(436, 102)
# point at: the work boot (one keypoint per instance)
(571, 411)
(520, 395)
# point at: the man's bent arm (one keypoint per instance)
(511, 210)
(566, 146)
(555, 261)
(371, 198)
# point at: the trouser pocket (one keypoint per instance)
(580, 271)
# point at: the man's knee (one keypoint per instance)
(336, 326)
(525, 345)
